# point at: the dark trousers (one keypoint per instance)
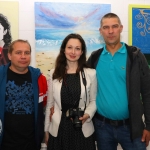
(108, 136)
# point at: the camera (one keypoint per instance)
(75, 114)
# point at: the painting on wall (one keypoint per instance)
(139, 27)
(8, 28)
(54, 21)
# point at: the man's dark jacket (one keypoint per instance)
(138, 83)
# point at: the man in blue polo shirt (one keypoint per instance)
(123, 75)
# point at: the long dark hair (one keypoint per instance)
(4, 22)
(61, 62)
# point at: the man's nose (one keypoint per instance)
(111, 30)
(23, 55)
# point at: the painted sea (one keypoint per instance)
(51, 39)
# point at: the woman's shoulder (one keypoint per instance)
(90, 71)
(51, 72)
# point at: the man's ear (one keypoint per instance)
(100, 30)
(9, 56)
(121, 28)
(5, 32)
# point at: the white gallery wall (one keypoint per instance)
(27, 26)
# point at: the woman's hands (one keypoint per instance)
(51, 113)
(46, 137)
(84, 118)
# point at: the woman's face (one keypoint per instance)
(73, 50)
(2, 32)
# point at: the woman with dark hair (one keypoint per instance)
(71, 99)
(5, 39)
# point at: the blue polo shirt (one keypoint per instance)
(111, 100)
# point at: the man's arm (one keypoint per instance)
(145, 92)
(145, 88)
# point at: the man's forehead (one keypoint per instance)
(110, 21)
(21, 46)
(21, 49)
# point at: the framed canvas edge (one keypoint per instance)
(131, 6)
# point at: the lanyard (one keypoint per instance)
(84, 83)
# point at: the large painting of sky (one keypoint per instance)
(54, 21)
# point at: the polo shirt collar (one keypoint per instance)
(121, 50)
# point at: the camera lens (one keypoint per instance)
(77, 123)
